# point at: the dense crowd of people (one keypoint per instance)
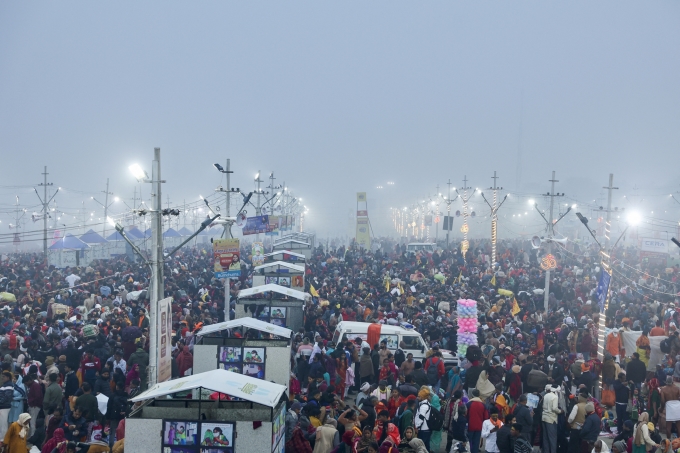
(74, 349)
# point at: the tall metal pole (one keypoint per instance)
(157, 291)
(546, 294)
(606, 258)
(259, 207)
(448, 214)
(45, 212)
(494, 219)
(106, 206)
(227, 281)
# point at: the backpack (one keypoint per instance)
(433, 372)
(665, 346)
(436, 421)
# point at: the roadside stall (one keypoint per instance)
(247, 346)
(287, 256)
(280, 273)
(68, 251)
(272, 303)
(294, 245)
(213, 412)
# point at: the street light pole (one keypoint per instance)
(157, 290)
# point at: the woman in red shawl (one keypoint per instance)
(184, 361)
(54, 442)
(513, 382)
(341, 370)
(133, 373)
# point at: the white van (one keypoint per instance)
(405, 332)
(415, 247)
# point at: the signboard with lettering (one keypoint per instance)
(651, 245)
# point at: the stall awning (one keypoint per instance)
(233, 384)
(286, 252)
(293, 267)
(274, 288)
(250, 323)
(291, 241)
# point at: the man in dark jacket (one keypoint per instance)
(504, 440)
(622, 393)
(419, 376)
(524, 417)
(554, 370)
(117, 407)
(407, 388)
(636, 370)
(591, 427)
(103, 383)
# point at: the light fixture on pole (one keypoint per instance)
(464, 245)
(494, 215)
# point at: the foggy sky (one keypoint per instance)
(341, 97)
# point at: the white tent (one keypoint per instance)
(291, 241)
(274, 288)
(222, 381)
(293, 267)
(250, 323)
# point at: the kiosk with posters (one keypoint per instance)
(286, 256)
(246, 346)
(280, 273)
(229, 413)
(272, 303)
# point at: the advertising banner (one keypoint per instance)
(363, 235)
(274, 225)
(258, 224)
(361, 197)
(227, 256)
(428, 220)
(651, 245)
(164, 339)
(362, 213)
(603, 289)
(258, 253)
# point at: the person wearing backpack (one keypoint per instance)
(405, 418)
(423, 415)
(434, 370)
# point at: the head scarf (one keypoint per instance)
(348, 437)
(23, 422)
(642, 421)
(51, 444)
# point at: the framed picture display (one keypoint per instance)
(179, 436)
(278, 429)
(253, 370)
(233, 367)
(264, 314)
(278, 313)
(269, 279)
(218, 436)
(253, 355)
(230, 354)
(284, 281)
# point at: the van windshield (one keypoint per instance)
(412, 342)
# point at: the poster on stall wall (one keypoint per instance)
(258, 254)
(164, 339)
(274, 225)
(227, 255)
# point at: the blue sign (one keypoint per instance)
(257, 224)
(603, 289)
(228, 274)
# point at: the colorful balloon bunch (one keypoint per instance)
(467, 325)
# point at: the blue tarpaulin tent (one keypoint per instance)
(69, 242)
(184, 231)
(171, 233)
(134, 233)
(91, 237)
(114, 237)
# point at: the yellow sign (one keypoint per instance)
(361, 197)
(548, 263)
(363, 235)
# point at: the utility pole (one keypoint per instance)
(436, 218)
(227, 281)
(106, 205)
(17, 224)
(494, 215)
(157, 289)
(259, 207)
(551, 232)
(45, 204)
(465, 228)
(608, 224)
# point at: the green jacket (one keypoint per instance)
(53, 397)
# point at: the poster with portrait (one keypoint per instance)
(297, 281)
(253, 355)
(258, 254)
(227, 258)
(271, 280)
(230, 354)
(217, 435)
(178, 449)
(278, 322)
(179, 433)
(278, 312)
(264, 314)
(284, 281)
(253, 370)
